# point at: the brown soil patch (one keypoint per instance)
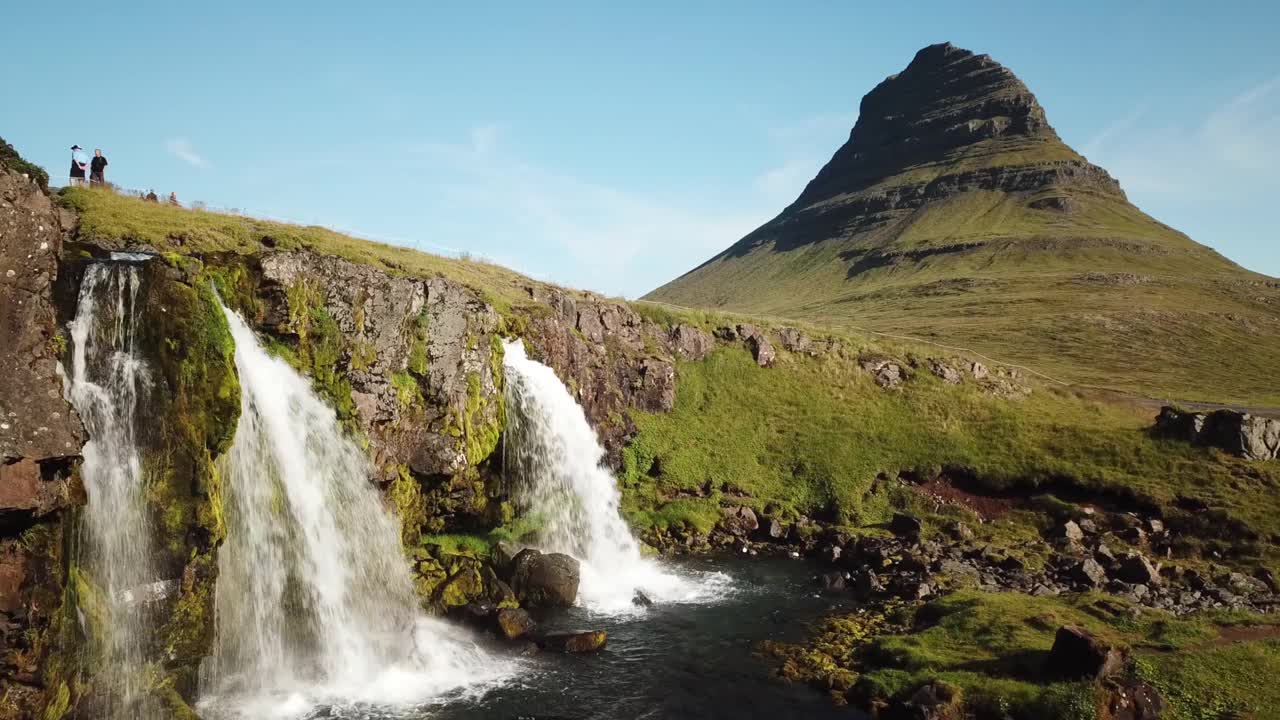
(1244, 633)
(942, 490)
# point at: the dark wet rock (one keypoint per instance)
(866, 583)
(1077, 653)
(1268, 579)
(960, 531)
(544, 580)
(777, 529)
(946, 372)
(514, 623)
(1131, 699)
(640, 599)
(739, 521)
(691, 343)
(833, 581)
(905, 526)
(1135, 568)
(581, 641)
(830, 554)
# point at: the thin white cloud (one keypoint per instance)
(1230, 149)
(182, 149)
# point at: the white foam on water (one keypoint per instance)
(555, 463)
(314, 599)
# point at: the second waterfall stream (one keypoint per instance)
(314, 599)
(556, 466)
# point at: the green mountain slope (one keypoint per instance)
(954, 213)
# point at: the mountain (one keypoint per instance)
(955, 213)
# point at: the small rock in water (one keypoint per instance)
(642, 600)
(582, 641)
(514, 623)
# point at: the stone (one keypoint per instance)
(1135, 568)
(514, 623)
(1088, 572)
(1242, 584)
(739, 521)
(762, 350)
(640, 599)
(545, 580)
(1249, 436)
(1131, 699)
(979, 371)
(866, 583)
(1077, 653)
(905, 526)
(778, 530)
(888, 372)
(580, 641)
(691, 343)
(833, 581)
(1070, 531)
(960, 531)
(793, 340)
(934, 700)
(946, 372)
(1268, 579)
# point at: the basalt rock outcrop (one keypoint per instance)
(1252, 437)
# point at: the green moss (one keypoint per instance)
(188, 634)
(59, 704)
(482, 433)
(478, 546)
(408, 393)
(405, 493)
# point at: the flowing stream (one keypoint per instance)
(314, 600)
(556, 464)
(108, 380)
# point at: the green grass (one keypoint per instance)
(11, 160)
(811, 436)
(109, 218)
(992, 648)
(1197, 327)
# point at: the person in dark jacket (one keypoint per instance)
(97, 167)
(79, 163)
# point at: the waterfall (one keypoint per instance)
(108, 381)
(556, 465)
(314, 599)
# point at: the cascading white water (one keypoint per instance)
(557, 464)
(108, 380)
(314, 599)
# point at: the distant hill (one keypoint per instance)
(955, 213)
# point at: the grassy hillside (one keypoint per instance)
(111, 219)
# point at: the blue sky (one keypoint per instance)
(611, 148)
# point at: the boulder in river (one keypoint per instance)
(544, 580)
(578, 641)
(514, 623)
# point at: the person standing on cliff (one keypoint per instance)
(97, 167)
(79, 163)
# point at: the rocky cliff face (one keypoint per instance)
(40, 440)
